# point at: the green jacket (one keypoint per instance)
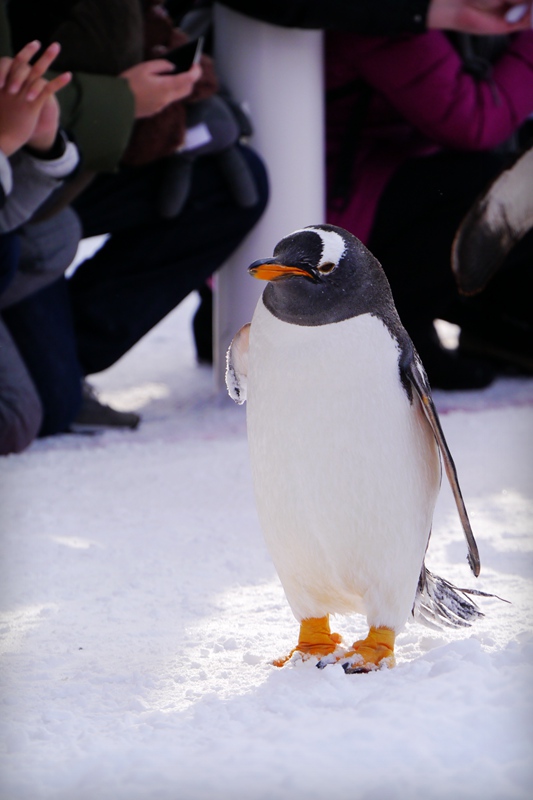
(98, 112)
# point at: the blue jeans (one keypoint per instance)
(39, 319)
(20, 407)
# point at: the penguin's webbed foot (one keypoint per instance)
(333, 658)
(374, 652)
(315, 640)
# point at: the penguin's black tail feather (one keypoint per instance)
(439, 603)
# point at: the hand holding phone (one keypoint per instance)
(154, 87)
(186, 56)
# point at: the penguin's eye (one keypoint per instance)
(326, 268)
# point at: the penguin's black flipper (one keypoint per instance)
(412, 370)
(237, 365)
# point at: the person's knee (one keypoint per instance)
(47, 249)
(21, 413)
(19, 425)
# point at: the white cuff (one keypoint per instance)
(61, 167)
(6, 176)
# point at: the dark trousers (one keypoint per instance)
(39, 319)
(83, 325)
(150, 264)
(9, 257)
(41, 326)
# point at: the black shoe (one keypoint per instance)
(202, 326)
(450, 369)
(95, 416)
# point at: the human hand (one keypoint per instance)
(45, 131)
(478, 16)
(27, 103)
(154, 86)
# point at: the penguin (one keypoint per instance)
(497, 221)
(345, 449)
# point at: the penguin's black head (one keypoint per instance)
(323, 274)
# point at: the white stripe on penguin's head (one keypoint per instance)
(333, 245)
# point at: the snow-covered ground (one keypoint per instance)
(140, 612)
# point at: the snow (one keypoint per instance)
(140, 612)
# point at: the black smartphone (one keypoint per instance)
(185, 56)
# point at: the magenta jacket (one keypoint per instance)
(422, 102)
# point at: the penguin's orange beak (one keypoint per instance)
(269, 269)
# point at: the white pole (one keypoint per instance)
(277, 74)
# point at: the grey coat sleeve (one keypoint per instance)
(27, 181)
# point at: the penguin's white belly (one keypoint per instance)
(346, 470)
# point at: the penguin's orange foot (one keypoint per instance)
(315, 640)
(374, 652)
